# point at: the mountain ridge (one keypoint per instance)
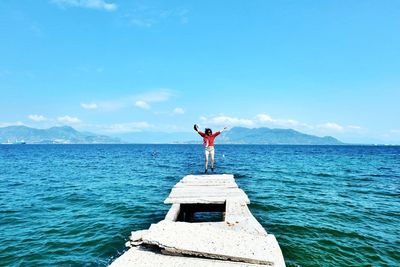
(277, 136)
(52, 135)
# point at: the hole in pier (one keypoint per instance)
(202, 213)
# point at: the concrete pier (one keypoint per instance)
(208, 224)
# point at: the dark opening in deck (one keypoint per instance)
(202, 213)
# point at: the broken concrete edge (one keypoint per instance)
(130, 244)
(137, 235)
(136, 238)
(144, 256)
(178, 252)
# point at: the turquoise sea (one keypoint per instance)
(75, 205)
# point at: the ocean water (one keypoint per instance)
(75, 205)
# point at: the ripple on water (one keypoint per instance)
(76, 205)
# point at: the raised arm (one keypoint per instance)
(196, 128)
(223, 129)
(219, 132)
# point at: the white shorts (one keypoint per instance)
(209, 149)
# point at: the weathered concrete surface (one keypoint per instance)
(239, 218)
(211, 242)
(206, 189)
(173, 212)
(205, 195)
(140, 257)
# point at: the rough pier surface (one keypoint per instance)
(237, 240)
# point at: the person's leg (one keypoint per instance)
(206, 160)
(212, 159)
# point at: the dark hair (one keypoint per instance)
(208, 130)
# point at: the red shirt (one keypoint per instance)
(209, 138)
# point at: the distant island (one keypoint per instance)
(236, 135)
(267, 136)
(53, 135)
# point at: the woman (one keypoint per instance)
(208, 138)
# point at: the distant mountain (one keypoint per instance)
(241, 135)
(54, 135)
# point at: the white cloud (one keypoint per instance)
(331, 126)
(142, 104)
(14, 123)
(227, 120)
(267, 119)
(143, 100)
(179, 111)
(257, 121)
(37, 118)
(264, 118)
(68, 120)
(89, 105)
(93, 4)
(127, 127)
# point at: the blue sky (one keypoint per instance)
(113, 67)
